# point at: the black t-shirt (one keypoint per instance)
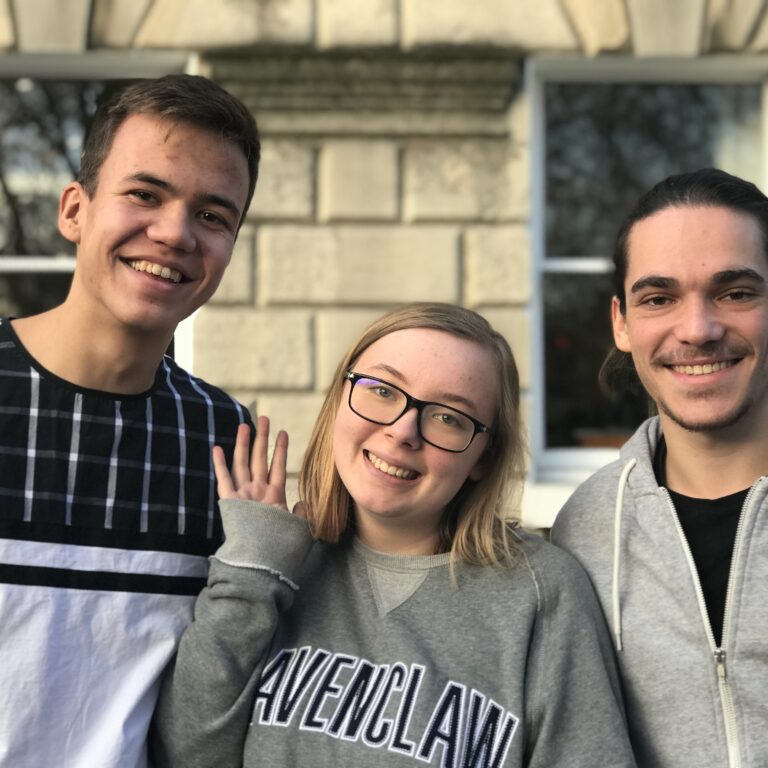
(710, 528)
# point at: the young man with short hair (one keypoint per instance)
(107, 494)
(675, 533)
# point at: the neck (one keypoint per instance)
(392, 537)
(709, 465)
(91, 353)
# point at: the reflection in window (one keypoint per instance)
(606, 144)
(577, 338)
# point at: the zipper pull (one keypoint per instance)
(720, 663)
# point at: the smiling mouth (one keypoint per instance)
(166, 273)
(701, 370)
(390, 469)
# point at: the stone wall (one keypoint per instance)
(396, 154)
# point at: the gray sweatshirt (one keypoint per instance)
(689, 704)
(310, 654)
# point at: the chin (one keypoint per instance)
(709, 422)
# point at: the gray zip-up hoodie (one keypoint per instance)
(689, 703)
(312, 654)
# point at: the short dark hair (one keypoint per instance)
(705, 187)
(187, 99)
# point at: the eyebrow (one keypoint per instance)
(451, 397)
(207, 198)
(725, 277)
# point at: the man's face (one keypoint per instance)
(155, 238)
(696, 319)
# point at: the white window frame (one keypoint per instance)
(570, 466)
(97, 65)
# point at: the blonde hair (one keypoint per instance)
(475, 526)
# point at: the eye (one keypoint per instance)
(142, 195)
(213, 219)
(739, 294)
(655, 301)
(447, 419)
(383, 391)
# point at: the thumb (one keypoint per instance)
(301, 510)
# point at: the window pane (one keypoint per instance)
(42, 124)
(609, 143)
(27, 294)
(577, 337)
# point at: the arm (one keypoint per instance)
(574, 706)
(206, 698)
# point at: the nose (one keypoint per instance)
(699, 323)
(405, 430)
(173, 227)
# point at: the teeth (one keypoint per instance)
(382, 466)
(155, 269)
(700, 370)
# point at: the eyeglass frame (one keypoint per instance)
(413, 402)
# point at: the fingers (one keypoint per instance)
(277, 469)
(224, 485)
(241, 473)
(258, 470)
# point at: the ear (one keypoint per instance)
(619, 321)
(71, 210)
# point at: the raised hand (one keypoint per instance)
(252, 477)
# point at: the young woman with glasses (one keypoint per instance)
(397, 618)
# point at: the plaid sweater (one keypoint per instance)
(107, 517)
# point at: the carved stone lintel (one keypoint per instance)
(303, 81)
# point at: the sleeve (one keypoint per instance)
(206, 696)
(574, 704)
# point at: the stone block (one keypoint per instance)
(358, 180)
(355, 264)
(285, 186)
(45, 27)
(237, 348)
(524, 24)
(465, 179)
(231, 23)
(335, 331)
(6, 25)
(759, 41)
(116, 22)
(731, 23)
(237, 285)
(497, 265)
(514, 325)
(661, 28)
(295, 413)
(348, 23)
(601, 26)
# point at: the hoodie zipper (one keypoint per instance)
(719, 654)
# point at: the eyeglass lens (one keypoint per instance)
(440, 424)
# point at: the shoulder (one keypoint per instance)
(191, 390)
(556, 573)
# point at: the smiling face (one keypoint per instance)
(696, 320)
(154, 239)
(399, 484)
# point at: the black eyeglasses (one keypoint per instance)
(440, 425)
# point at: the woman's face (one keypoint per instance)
(400, 484)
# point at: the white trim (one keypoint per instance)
(93, 65)
(25, 264)
(184, 343)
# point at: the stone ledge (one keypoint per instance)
(305, 81)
